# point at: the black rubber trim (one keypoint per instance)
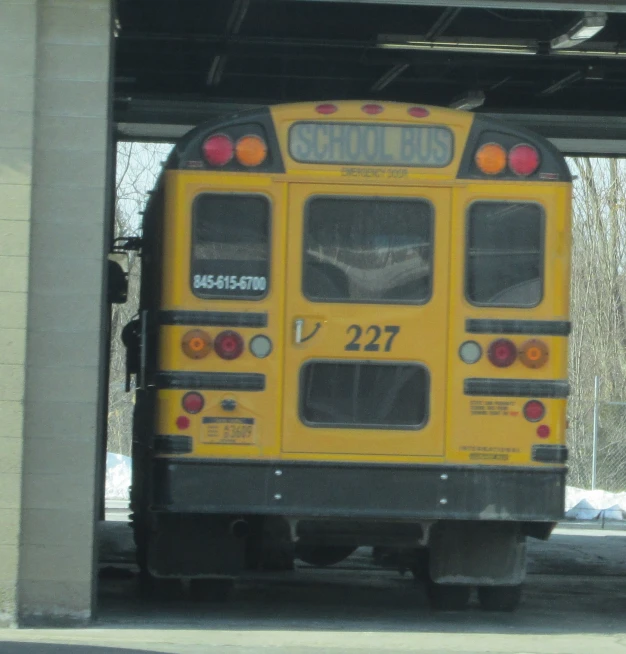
(529, 327)
(555, 388)
(187, 154)
(173, 444)
(485, 129)
(550, 453)
(213, 318)
(210, 381)
(352, 490)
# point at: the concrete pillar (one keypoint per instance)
(18, 45)
(54, 135)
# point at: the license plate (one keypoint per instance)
(229, 431)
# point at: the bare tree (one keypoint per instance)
(597, 344)
(138, 165)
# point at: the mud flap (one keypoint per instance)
(477, 553)
(194, 547)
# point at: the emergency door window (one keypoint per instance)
(370, 395)
(368, 250)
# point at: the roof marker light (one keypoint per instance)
(372, 109)
(326, 108)
(418, 112)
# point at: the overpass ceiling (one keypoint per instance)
(175, 54)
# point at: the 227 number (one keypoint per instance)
(373, 333)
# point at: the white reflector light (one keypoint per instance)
(260, 346)
(470, 352)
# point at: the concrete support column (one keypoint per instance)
(54, 99)
(18, 48)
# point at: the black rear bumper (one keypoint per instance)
(425, 492)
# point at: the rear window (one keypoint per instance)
(367, 395)
(230, 246)
(368, 250)
(504, 264)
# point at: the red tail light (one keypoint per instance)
(193, 402)
(182, 422)
(218, 150)
(534, 411)
(543, 431)
(228, 345)
(523, 159)
(502, 353)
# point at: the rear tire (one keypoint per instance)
(323, 555)
(420, 564)
(158, 588)
(500, 598)
(448, 597)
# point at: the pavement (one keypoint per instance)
(574, 602)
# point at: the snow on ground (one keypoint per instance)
(583, 504)
(117, 477)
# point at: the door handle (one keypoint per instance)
(299, 325)
(299, 329)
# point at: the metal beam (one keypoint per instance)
(572, 135)
(570, 147)
(576, 76)
(237, 16)
(233, 25)
(166, 120)
(442, 23)
(569, 127)
(393, 73)
(611, 6)
(591, 147)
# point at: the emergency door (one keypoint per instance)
(366, 320)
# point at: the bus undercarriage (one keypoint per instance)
(454, 527)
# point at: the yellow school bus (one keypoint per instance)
(352, 332)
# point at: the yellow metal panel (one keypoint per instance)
(421, 338)
(460, 429)
(492, 430)
(262, 406)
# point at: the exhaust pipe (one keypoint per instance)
(239, 528)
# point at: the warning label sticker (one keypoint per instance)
(493, 408)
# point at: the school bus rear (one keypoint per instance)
(360, 334)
